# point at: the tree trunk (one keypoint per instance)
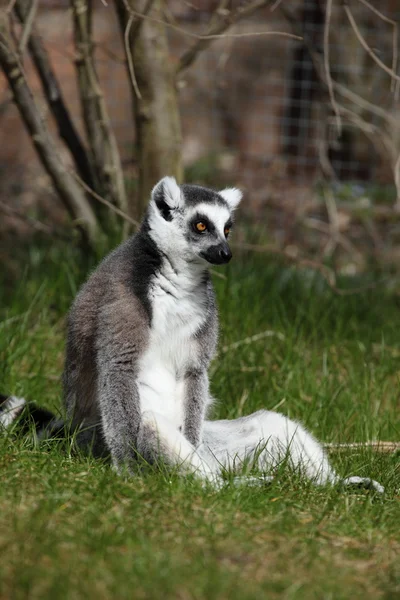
(68, 189)
(54, 97)
(156, 111)
(109, 178)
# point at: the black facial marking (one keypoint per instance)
(196, 194)
(218, 254)
(229, 224)
(199, 218)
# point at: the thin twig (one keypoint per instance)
(329, 83)
(103, 144)
(390, 123)
(216, 25)
(343, 90)
(35, 223)
(27, 27)
(218, 274)
(189, 57)
(291, 36)
(215, 36)
(363, 103)
(130, 26)
(373, 132)
(378, 12)
(137, 24)
(10, 6)
(376, 446)
(394, 37)
(109, 53)
(129, 57)
(103, 200)
(366, 46)
(275, 5)
(253, 338)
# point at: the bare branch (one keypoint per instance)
(54, 97)
(275, 5)
(389, 128)
(156, 113)
(34, 223)
(103, 145)
(365, 45)
(378, 446)
(365, 104)
(394, 38)
(329, 83)
(130, 23)
(344, 91)
(222, 20)
(10, 7)
(69, 191)
(242, 12)
(138, 18)
(127, 37)
(28, 25)
(96, 196)
(253, 338)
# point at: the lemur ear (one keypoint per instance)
(167, 196)
(232, 196)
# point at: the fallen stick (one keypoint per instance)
(376, 446)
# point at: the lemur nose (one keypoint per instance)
(225, 254)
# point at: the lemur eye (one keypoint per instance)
(200, 226)
(227, 231)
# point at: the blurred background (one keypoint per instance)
(307, 125)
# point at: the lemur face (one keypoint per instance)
(207, 231)
(193, 221)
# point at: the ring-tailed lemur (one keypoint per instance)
(141, 334)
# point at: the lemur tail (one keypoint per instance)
(27, 415)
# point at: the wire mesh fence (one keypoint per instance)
(266, 99)
(256, 107)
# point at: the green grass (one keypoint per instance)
(71, 528)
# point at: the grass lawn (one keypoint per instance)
(71, 528)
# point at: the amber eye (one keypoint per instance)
(227, 231)
(200, 226)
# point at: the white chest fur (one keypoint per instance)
(178, 302)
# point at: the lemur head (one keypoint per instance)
(191, 221)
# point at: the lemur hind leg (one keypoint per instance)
(160, 440)
(265, 439)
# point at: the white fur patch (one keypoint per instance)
(218, 215)
(171, 190)
(10, 410)
(232, 196)
(178, 310)
(178, 450)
